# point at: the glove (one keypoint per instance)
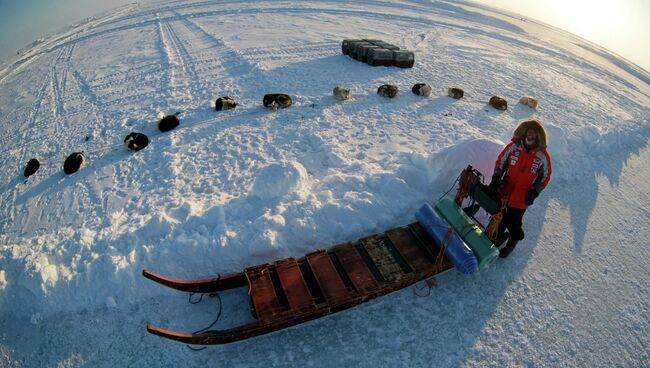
(530, 197)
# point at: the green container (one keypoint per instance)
(484, 200)
(481, 246)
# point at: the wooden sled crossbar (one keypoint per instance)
(291, 291)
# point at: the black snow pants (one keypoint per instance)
(512, 221)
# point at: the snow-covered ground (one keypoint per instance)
(236, 188)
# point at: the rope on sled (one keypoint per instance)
(466, 181)
(492, 230)
(220, 309)
(440, 258)
(452, 187)
(437, 266)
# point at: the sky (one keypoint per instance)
(24, 21)
(621, 26)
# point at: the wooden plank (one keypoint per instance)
(406, 244)
(389, 268)
(374, 270)
(310, 279)
(428, 245)
(327, 277)
(261, 292)
(294, 285)
(355, 267)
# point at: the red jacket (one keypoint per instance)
(524, 170)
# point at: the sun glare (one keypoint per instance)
(591, 18)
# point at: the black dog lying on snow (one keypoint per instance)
(422, 89)
(277, 100)
(74, 162)
(169, 122)
(31, 168)
(136, 141)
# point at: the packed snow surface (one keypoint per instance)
(231, 189)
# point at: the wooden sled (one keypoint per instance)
(291, 291)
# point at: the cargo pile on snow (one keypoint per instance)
(378, 53)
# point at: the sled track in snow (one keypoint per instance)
(205, 62)
(36, 106)
(90, 99)
(86, 90)
(225, 57)
(54, 82)
(242, 75)
(308, 52)
(186, 62)
(23, 134)
(183, 63)
(110, 80)
(58, 85)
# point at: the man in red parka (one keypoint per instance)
(522, 171)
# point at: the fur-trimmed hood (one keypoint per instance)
(520, 132)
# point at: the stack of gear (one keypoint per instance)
(378, 53)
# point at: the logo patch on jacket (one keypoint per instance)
(535, 167)
(515, 156)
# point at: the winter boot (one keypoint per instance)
(510, 245)
(501, 238)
